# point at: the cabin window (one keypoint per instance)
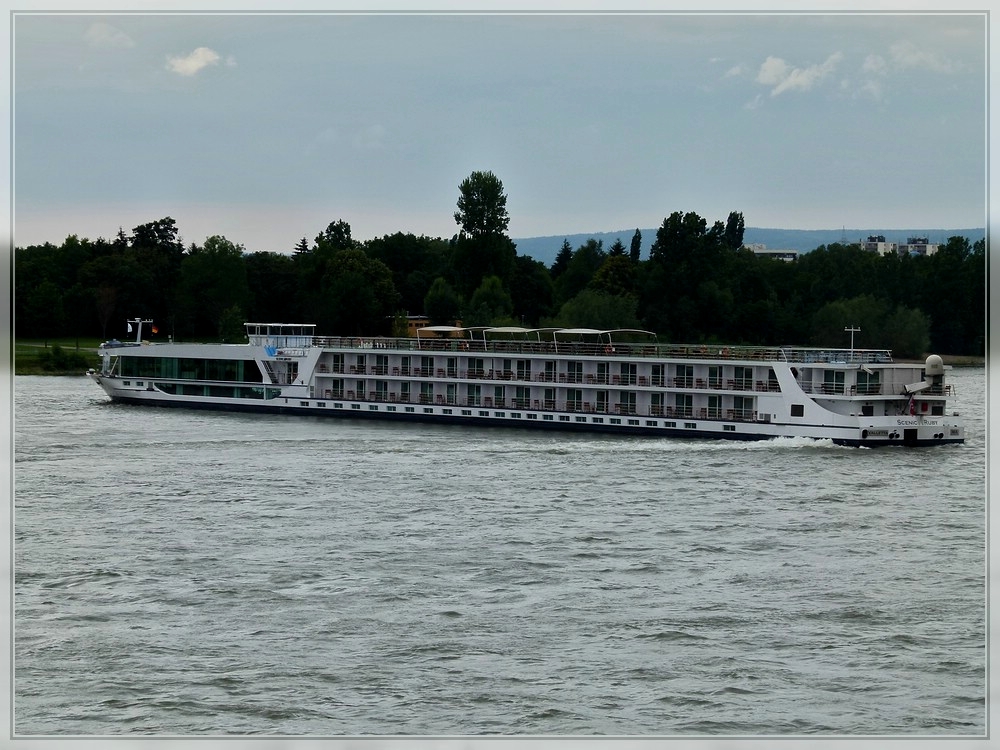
(798, 410)
(657, 378)
(550, 398)
(404, 391)
(476, 367)
(524, 369)
(452, 394)
(381, 364)
(426, 393)
(715, 376)
(656, 404)
(626, 402)
(602, 401)
(743, 378)
(574, 372)
(743, 407)
(833, 381)
(628, 373)
(683, 404)
(522, 397)
(602, 373)
(868, 383)
(685, 376)
(714, 407)
(574, 399)
(472, 394)
(867, 410)
(452, 367)
(404, 365)
(550, 371)
(426, 366)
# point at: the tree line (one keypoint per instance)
(698, 284)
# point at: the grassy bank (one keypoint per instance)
(55, 356)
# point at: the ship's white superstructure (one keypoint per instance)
(622, 382)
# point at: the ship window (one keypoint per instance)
(669, 424)
(563, 418)
(729, 427)
(446, 411)
(633, 422)
(532, 416)
(797, 410)
(547, 417)
(466, 412)
(372, 407)
(428, 410)
(615, 420)
(651, 423)
(690, 425)
(409, 409)
(484, 413)
(388, 408)
(597, 420)
(581, 419)
(355, 406)
(868, 410)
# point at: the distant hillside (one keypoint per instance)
(545, 249)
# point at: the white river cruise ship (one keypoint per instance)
(623, 382)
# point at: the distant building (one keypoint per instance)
(415, 322)
(762, 251)
(876, 243)
(918, 246)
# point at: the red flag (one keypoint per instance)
(155, 329)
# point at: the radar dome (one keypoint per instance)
(934, 365)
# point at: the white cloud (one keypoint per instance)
(908, 55)
(106, 36)
(875, 64)
(736, 70)
(777, 73)
(197, 60)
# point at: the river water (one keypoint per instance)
(191, 573)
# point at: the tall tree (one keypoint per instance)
(635, 247)
(482, 248)
(482, 205)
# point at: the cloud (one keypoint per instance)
(196, 61)
(908, 55)
(736, 70)
(782, 77)
(106, 36)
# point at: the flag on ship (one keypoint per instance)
(155, 329)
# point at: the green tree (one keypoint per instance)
(595, 309)
(635, 247)
(357, 296)
(490, 304)
(615, 276)
(442, 304)
(213, 280)
(482, 205)
(531, 290)
(587, 258)
(734, 231)
(563, 257)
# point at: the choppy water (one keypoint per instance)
(207, 573)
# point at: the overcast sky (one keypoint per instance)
(266, 128)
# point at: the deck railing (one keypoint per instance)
(615, 350)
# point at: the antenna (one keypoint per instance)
(853, 330)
